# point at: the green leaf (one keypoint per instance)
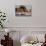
(4, 16)
(3, 19)
(2, 26)
(1, 16)
(4, 13)
(0, 12)
(0, 21)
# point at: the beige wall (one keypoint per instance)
(35, 23)
(38, 18)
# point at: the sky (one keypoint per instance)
(27, 3)
(23, 2)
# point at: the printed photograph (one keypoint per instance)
(23, 10)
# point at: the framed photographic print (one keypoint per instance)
(23, 10)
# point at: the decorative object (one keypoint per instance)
(2, 19)
(7, 30)
(44, 44)
(8, 40)
(23, 10)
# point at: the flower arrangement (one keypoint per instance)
(2, 19)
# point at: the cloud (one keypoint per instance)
(23, 2)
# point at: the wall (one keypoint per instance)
(38, 13)
(36, 23)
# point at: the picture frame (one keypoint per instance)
(23, 10)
